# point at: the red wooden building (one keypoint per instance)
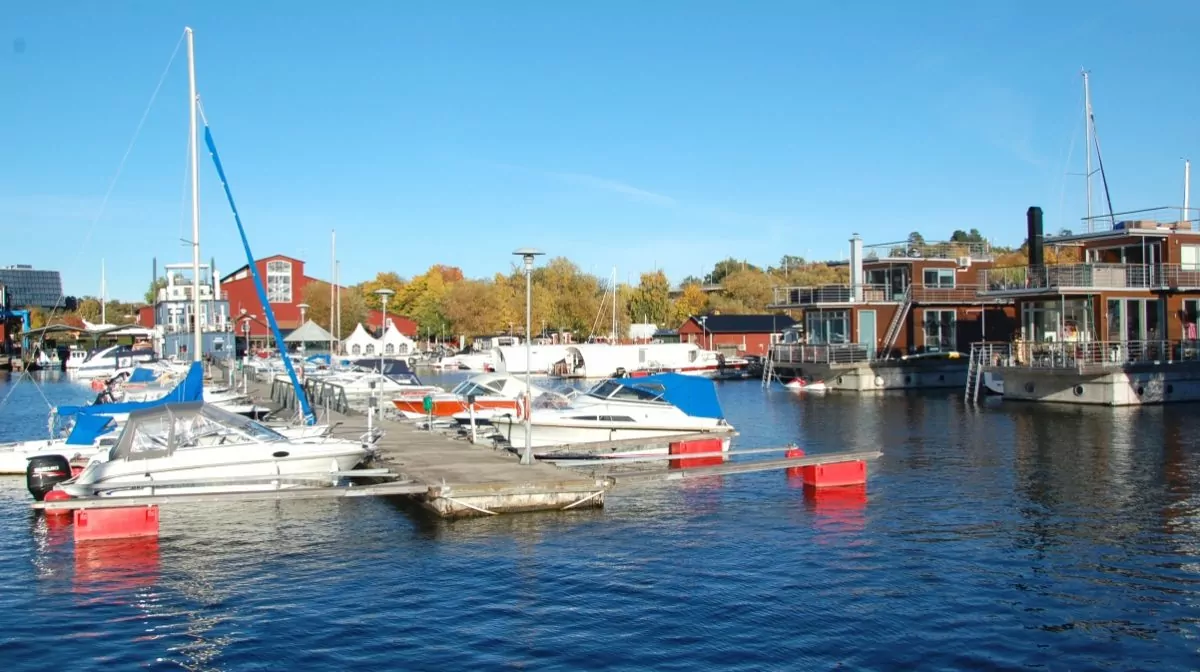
(734, 334)
(375, 318)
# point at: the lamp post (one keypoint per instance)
(383, 295)
(303, 313)
(527, 254)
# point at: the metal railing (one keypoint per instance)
(874, 293)
(1093, 355)
(1071, 276)
(908, 249)
(827, 353)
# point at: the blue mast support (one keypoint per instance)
(309, 417)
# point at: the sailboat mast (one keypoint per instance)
(197, 342)
(103, 296)
(1187, 190)
(614, 319)
(333, 289)
(1087, 141)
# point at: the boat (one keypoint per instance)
(492, 392)
(193, 448)
(89, 434)
(993, 383)
(802, 385)
(106, 362)
(649, 407)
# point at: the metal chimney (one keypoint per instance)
(856, 268)
(1037, 240)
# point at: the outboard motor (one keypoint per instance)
(44, 472)
(620, 373)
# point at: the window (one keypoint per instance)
(279, 281)
(356, 349)
(1191, 312)
(370, 349)
(940, 330)
(1189, 257)
(404, 348)
(389, 349)
(939, 277)
(827, 327)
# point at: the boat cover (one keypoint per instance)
(141, 375)
(87, 428)
(694, 395)
(322, 358)
(191, 388)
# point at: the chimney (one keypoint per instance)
(1037, 240)
(856, 268)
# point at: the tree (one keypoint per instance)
(727, 266)
(383, 280)
(37, 318)
(89, 309)
(317, 296)
(916, 239)
(473, 307)
(747, 291)
(692, 300)
(789, 261)
(151, 296)
(650, 301)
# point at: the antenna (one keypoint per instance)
(1088, 133)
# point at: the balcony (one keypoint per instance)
(840, 353)
(793, 297)
(1085, 356)
(1079, 277)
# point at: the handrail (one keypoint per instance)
(1080, 355)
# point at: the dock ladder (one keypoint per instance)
(975, 372)
(769, 370)
(893, 332)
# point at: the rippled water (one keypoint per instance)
(1012, 536)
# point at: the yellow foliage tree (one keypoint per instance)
(692, 300)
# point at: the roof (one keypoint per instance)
(694, 395)
(743, 324)
(310, 332)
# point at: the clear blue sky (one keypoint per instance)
(621, 133)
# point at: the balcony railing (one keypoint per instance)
(1090, 355)
(840, 353)
(1072, 276)
(835, 294)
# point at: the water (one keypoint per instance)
(1016, 536)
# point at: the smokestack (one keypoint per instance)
(856, 268)
(1037, 240)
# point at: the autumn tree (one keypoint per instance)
(650, 301)
(89, 309)
(353, 308)
(572, 298)
(743, 292)
(692, 300)
(727, 266)
(383, 280)
(473, 307)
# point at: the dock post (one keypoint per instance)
(471, 408)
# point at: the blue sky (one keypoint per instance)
(623, 133)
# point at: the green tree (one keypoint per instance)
(727, 266)
(317, 296)
(89, 309)
(151, 296)
(383, 280)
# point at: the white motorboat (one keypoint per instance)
(649, 407)
(106, 362)
(192, 447)
(993, 383)
(90, 434)
(490, 391)
(802, 385)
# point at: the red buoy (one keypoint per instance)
(793, 453)
(57, 496)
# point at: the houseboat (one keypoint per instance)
(1117, 327)
(906, 319)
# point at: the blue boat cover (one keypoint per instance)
(140, 375)
(191, 388)
(87, 428)
(694, 395)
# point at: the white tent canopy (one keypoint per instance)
(309, 332)
(393, 342)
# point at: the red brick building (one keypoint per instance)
(284, 279)
(375, 318)
(734, 334)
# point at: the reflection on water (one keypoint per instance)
(997, 537)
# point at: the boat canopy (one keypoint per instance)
(162, 430)
(88, 428)
(142, 375)
(599, 360)
(694, 395)
(191, 388)
(511, 358)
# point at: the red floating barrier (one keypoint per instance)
(698, 446)
(834, 474)
(118, 523)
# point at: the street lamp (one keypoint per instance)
(527, 254)
(704, 332)
(303, 311)
(246, 333)
(383, 294)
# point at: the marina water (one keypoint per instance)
(1004, 537)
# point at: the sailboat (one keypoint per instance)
(191, 446)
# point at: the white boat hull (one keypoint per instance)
(14, 457)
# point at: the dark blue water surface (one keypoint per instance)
(1008, 537)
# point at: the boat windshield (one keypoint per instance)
(611, 389)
